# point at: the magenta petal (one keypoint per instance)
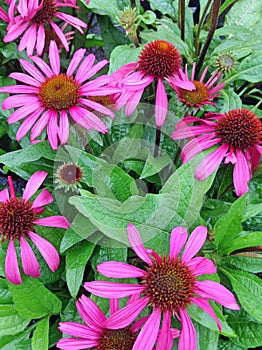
(215, 291)
(78, 330)
(47, 250)
(201, 266)
(42, 199)
(4, 195)
(76, 344)
(241, 174)
(54, 58)
(194, 243)
(113, 305)
(107, 289)
(161, 107)
(165, 339)
(33, 184)
(53, 221)
(177, 240)
(125, 316)
(119, 270)
(12, 272)
(204, 305)
(137, 244)
(187, 340)
(29, 261)
(63, 127)
(90, 313)
(76, 59)
(147, 337)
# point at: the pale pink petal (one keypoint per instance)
(84, 68)
(149, 333)
(187, 340)
(62, 37)
(241, 173)
(124, 317)
(165, 339)
(28, 40)
(137, 244)
(4, 195)
(25, 79)
(177, 240)
(90, 313)
(12, 272)
(76, 59)
(78, 330)
(87, 119)
(97, 107)
(204, 305)
(54, 58)
(211, 162)
(53, 221)
(42, 65)
(194, 243)
(75, 22)
(132, 102)
(76, 344)
(161, 105)
(40, 41)
(52, 130)
(40, 125)
(119, 270)
(23, 112)
(16, 89)
(47, 250)
(63, 129)
(29, 261)
(42, 199)
(215, 291)
(106, 289)
(18, 101)
(201, 266)
(34, 183)
(32, 70)
(192, 131)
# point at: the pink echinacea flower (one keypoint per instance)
(159, 60)
(49, 99)
(238, 136)
(203, 93)
(168, 284)
(18, 217)
(31, 18)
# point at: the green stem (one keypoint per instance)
(200, 25)
(181, 16)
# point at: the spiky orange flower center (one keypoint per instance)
(117, 339)
(16, 218)
(240, 128)
(169, 284)
(195, 97)
(69, 174)
(59, 92)
(160, 59)
(46, 13)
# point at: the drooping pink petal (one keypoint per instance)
(119, 270)
(54, 58)
(63, 129)
(52, 130)
(124, 317)
(29, 261)
(201, 266)
(40, 125)
(113, 305)
(27, 79)
(132, 102)
(76, 344)
(47, 250)
(4, 195)
(187, 340)
(106, 289)
(90, 313)
(12, 272)
(25, 111)
(137, 244)
(40, 41)
(161, 106)
(194, 243)
(165, 339)
(42, 65)
(97, 107)
(34, 183)
(75, 22)
(177, 240)
(211, 162)
(76, 59)
(27, 125)
(42, 199)
(78, 330)
(204, 305)
(53, 221)
(187, 131)
(32, 70)
(18, 101)
(215, 291)
(241, 174)
(149, 333)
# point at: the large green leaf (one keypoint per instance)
(10, 321)
(248, 289)
(33, 300)
(40, 336)
(244, 240)
(122, 55)
(249, 263)
(244, 13)
(206, 338)
(101, 7)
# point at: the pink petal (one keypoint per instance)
(53, 221)
(90, 313)
(204, 305)
(241, 173)
(54, 58)
(42, 65)
(32, 70)
(165, 339)
(47, 250)
(18, 101)
(52, 130)
(25, 79)
(76, 344)
(187, 340)
(42, 199)
(75, 22)
(24, 111)
(108, 289)
(191, 131)
(161, 107)
(4, 195)
(211, 162)
(215, 291)
(40, 124)
(97, 107)
(132, 102)
(126, 316)
(26, 125)
(61, 36)
(114, 305)
(40, 41)
(12, 272)
(119, 270)
(137, 244)
(83, 70)
(33, 184)
(201, 266)
(149, 332)
(76, 59)
(78, 330)
(194, 243)
(29, 261)
(177, 240)
(16, 89)
(63, 129)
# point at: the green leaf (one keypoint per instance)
(33, 300)
(247, 263)
(244, 13)
(252, 210)
(5, 296)
(9, 342)
(248, 330)
(228, 345)
(248, 289)
(10, 321)
(164, 6)
(101, 7)
(154, 165)
(229, 225)
(76, 259)
(231, 100)
(206, 338)
(104, 253)
(244, 240)
(40, 336)
(122, 55)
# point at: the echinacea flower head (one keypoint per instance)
(31, 18)
(159, 60)
(204, 92)
(238, 136)
(51, 99)
(226, 62)
(18, 218)
(168, 284)
(68, 176)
